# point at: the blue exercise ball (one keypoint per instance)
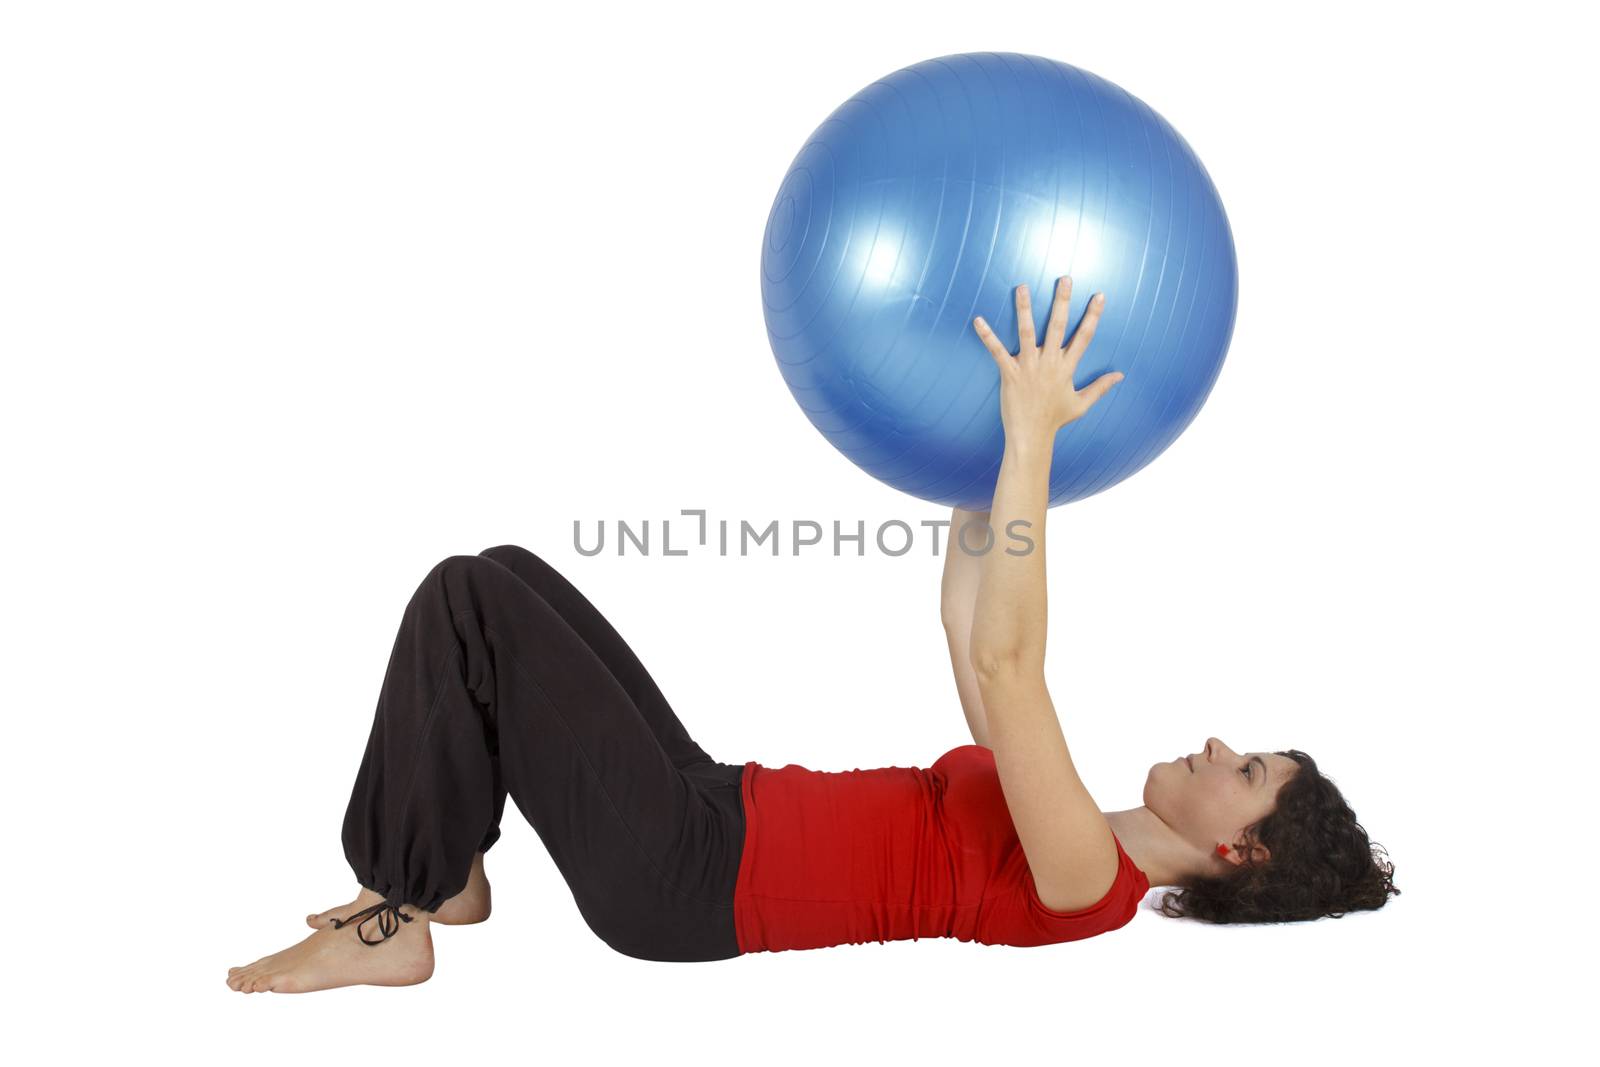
(924, 200)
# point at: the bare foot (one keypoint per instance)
(331, 958)
(471, 905)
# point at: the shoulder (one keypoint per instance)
(1092, 873)
(1092, 912)
(966, 756)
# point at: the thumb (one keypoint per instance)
(1100, 386)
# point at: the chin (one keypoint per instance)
(1157, 783)
(1150, 784)
(1159, 771)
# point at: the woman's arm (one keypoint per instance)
(1068, 843)
(958, 595)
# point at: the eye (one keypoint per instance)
(1245, 770)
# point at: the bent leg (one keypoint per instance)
(619, 658)
(608, 645)
(490, 687)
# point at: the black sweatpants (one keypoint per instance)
(505, 679)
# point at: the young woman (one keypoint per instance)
(505, 680)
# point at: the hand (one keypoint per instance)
(1037, 396)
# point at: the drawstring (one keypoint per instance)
(389, 918)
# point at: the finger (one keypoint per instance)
(1025, 335)
(1002, 357)
(1056, 329)
(1098, 388)
(1086, 327)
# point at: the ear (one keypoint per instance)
(1240, 849)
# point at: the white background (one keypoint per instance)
(299, 298)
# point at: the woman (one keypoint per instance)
(505, 680)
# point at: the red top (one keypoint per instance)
(897, 853)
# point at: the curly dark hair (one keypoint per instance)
(1321, 863)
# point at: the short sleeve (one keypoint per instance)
(1119, 905)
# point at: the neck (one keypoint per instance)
(1155, 848)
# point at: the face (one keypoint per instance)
(1214, 794)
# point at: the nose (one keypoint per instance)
(1215, 748)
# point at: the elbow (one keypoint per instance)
(999, 665)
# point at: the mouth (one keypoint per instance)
(1190, 761)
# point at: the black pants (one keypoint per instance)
(505, 679)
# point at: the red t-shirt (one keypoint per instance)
(896, 853)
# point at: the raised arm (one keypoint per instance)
(958, 595)
(1068, 843)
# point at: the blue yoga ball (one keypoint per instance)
(924, 200)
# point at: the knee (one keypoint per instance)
(459, 572)
(510, 554)
(526, 565)
(460, 564)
